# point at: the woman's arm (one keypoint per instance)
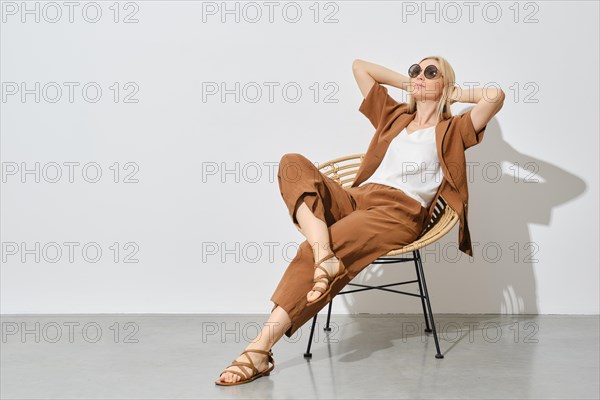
(367, 73)
(489, 102)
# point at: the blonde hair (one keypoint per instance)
(443, 109)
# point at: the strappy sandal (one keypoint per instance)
(326, 279)
(250, 364)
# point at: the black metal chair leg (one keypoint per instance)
(415, 256)
(327, 328)
(435, 338)
(308, 354)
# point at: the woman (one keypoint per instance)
(387, 205)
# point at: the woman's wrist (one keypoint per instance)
(465, 95)
(473, 95)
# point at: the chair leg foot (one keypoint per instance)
(308, 353)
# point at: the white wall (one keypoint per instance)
(172, 215)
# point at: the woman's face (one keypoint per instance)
(424, 88)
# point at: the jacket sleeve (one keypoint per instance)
(379, 106)
(467, 130)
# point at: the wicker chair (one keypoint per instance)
(343, 170)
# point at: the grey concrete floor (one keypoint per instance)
(363, 357)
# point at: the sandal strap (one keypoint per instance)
(319, 289)
(324, 279)
(242, 372)
(238, 373)
(268, 353)
(244, 364)
(327, 257)
(326, 276)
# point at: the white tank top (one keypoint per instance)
(411, 164)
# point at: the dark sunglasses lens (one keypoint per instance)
(431, 71)
(414, 70)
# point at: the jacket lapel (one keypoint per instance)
(372, 162)
(440, 135)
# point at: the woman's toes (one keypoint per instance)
(228, 377)
(311, 295)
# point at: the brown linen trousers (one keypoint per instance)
(364, 223)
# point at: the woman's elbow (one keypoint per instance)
(356, 63)
(494, 95)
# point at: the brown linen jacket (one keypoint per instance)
(453, 136)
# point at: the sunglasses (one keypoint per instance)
(431, 71)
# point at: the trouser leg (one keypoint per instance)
(385, 219)
(300, 180)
